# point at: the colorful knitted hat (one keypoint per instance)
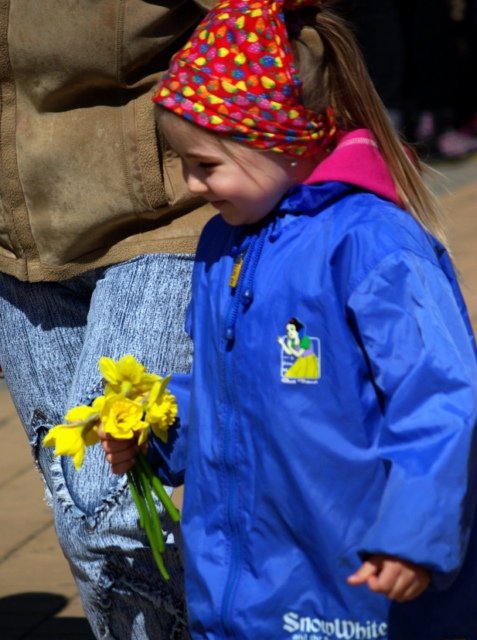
(236, 76)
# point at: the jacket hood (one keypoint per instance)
(356, 160)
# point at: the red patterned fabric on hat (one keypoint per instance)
(236, 76)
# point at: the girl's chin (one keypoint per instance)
(233, 221)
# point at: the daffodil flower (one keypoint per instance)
(122, 418)
(85, 413)
(127, 376)
(161, 409)
(72, 440)
(134, 401)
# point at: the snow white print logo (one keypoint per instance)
(307, 628)
(300, 354)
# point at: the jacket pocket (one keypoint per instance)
(160, 167)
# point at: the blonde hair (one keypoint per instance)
(334, 73)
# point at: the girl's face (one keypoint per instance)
(242, 183)
(292, 332)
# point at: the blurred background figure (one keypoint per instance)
(422, 56)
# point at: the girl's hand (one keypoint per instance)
(121, 454)
(397, 579)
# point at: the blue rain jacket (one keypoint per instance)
(332, 416)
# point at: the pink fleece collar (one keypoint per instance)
(356, 160)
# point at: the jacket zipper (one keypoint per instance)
(241, 285)
(236, 284)
(232, 511)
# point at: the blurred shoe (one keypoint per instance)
(436, 144)
(454, 145)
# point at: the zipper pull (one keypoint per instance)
(237, 268)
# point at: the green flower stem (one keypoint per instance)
(157, 555)
(133, 487)
(148, 518)
(152, 512)
(159, 489)
(153, 526)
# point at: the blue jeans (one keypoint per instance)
(51, 336)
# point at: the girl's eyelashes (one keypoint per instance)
(207, 165)
(199, 164)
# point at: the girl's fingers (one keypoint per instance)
(118, 446)
(393, 583)
(399, 580)
(122, 467)
(365, 572)
(416, 584)
(119, 457)
(121, 454)
(121, 460)
(390, 578)
(412, 592)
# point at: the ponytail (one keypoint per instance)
(334, 73)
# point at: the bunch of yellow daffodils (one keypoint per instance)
(134, 401)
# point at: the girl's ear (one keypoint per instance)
(299, 169)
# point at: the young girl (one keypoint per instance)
(334, 499)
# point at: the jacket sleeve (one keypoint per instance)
(407, 315)
(168, 459)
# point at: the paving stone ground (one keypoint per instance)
(38, 598)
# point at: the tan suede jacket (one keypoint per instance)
(84, 179)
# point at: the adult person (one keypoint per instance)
(96, 244)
